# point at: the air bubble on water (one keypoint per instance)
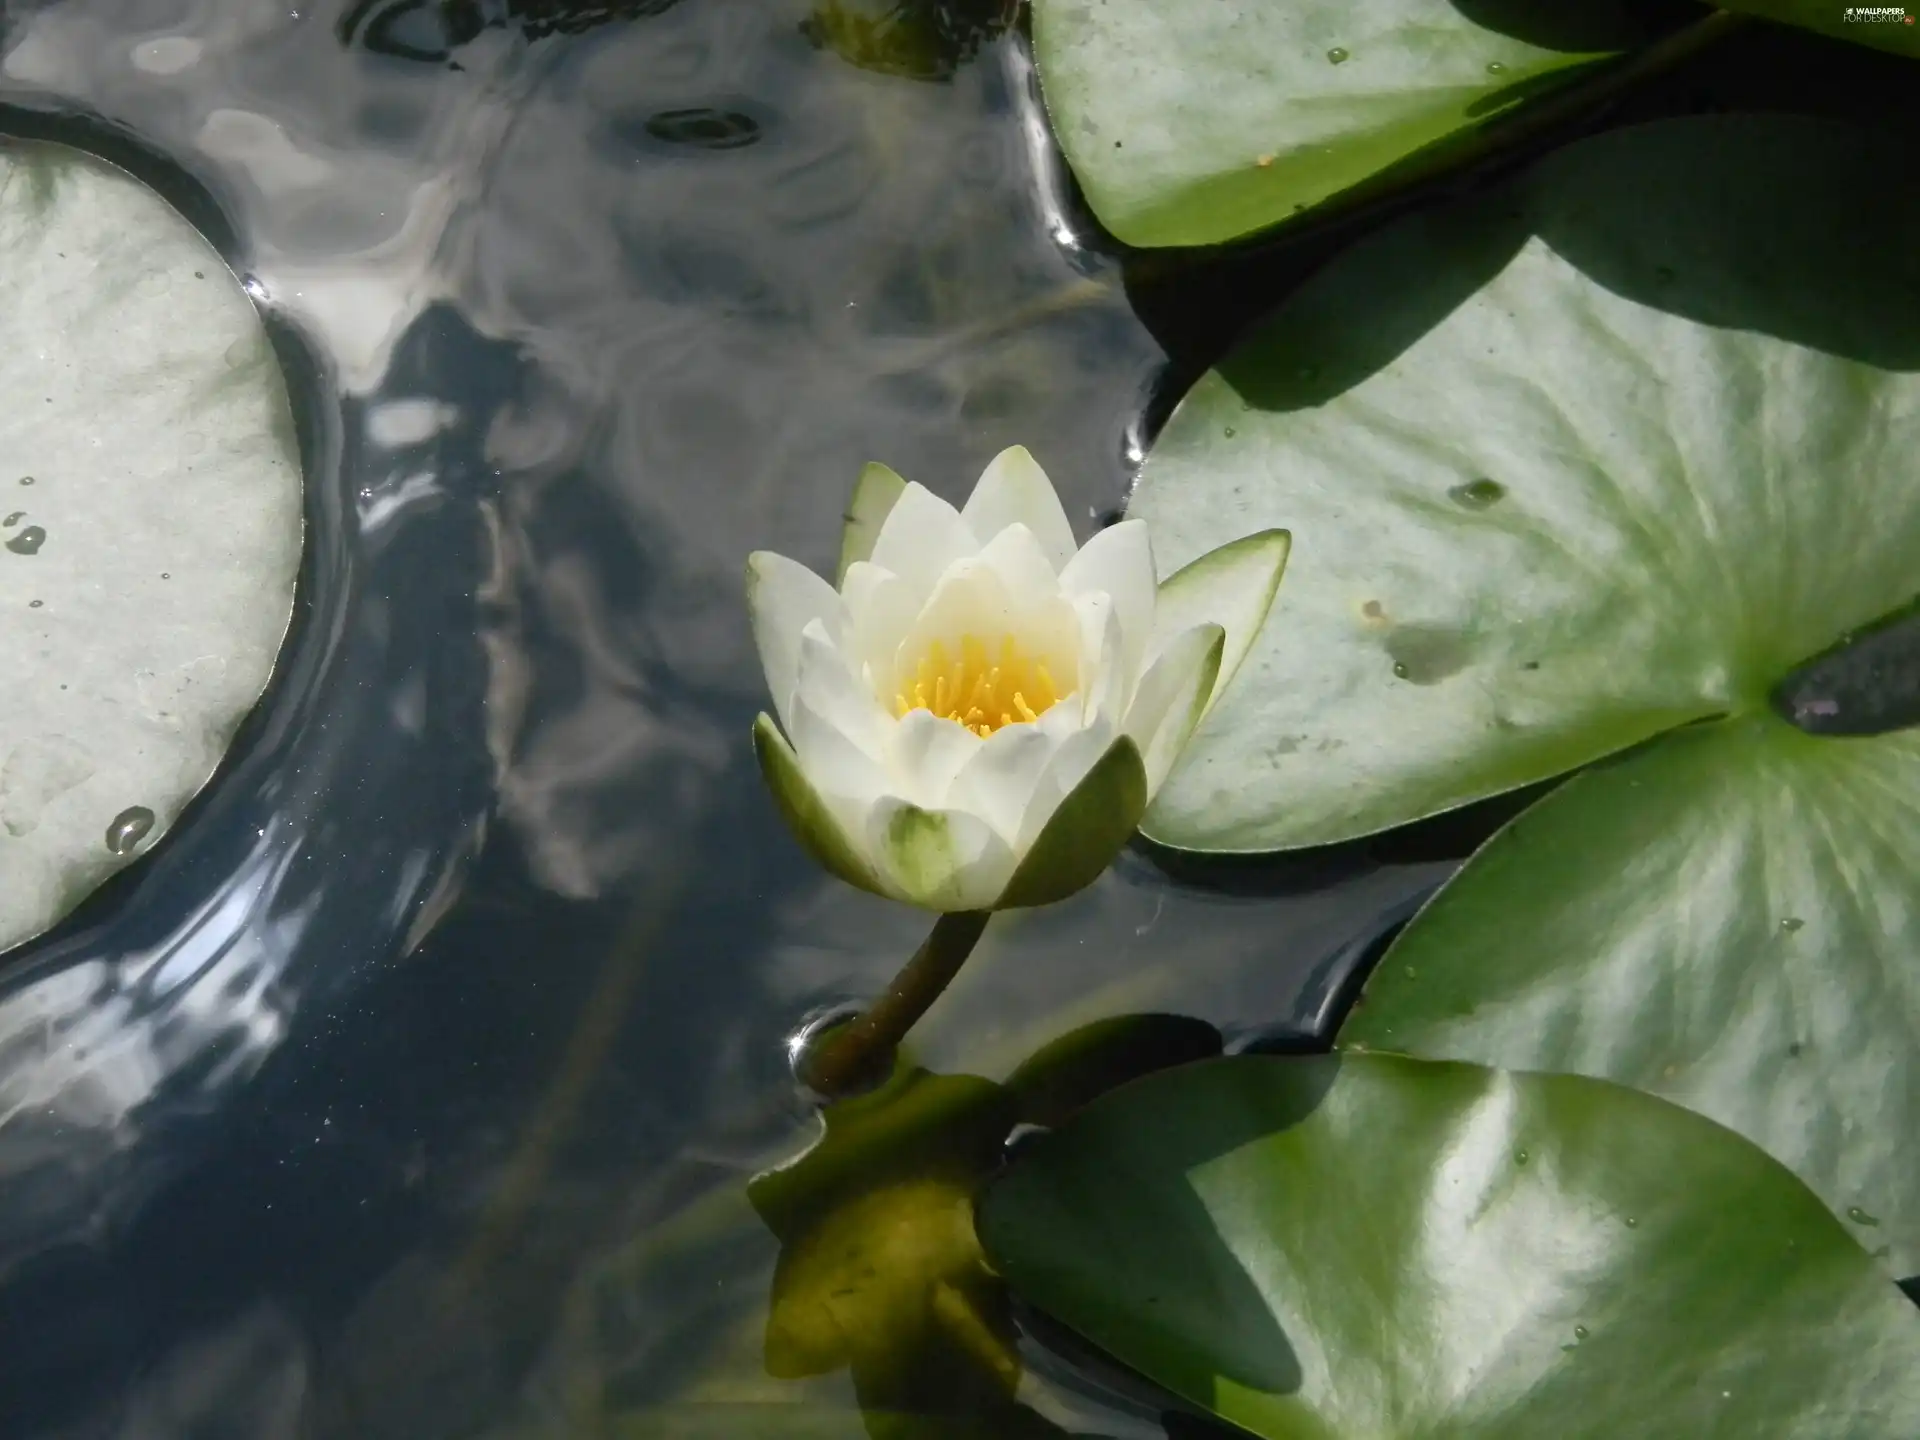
(128, 829)
(28, 541)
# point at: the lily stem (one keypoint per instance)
(849, 1055)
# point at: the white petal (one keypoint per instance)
(847, 703)
(1014, 490)
(1066, 767)
(1234, 588)
(999, 780)
(843, 774)
(928, 751)
(1171, 699)
(939, 859)
(784, 597)
(1023, 567)
(1105, 685)
(880, 609)
(921, 539)
(1119, 562)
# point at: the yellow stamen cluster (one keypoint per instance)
(979, 690)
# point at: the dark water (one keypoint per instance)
(408, 1089)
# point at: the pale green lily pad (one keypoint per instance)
(1190, 122)
(1598, 453)
(1891, 27)
(1729, 917)
(150, 490)
(1374, 1248)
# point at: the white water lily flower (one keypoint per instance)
(981, 712)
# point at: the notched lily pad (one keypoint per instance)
(1608, 450)
(150, 506)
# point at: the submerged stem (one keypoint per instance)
(848, 1054)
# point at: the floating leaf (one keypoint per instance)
(150, 514)
(880, 1272)
(917, 39)
(1190, 122)
(1375, 1247)
(1599, 453)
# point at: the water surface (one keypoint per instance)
(407, 1090)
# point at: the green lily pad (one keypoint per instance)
(1598, 453)
(150, 514)
(1375, 1247)
(1190, 122)
(1891, 27)
(1730, 918)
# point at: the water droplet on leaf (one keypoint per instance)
(1339, 55)
(1861, 1217)
(128, 829)
(28, 541)
(1494, 67)
(1792, 923)
(1400, 670)
(1520, 1156)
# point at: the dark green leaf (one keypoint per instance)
(1378, 1248)
(1889, 27)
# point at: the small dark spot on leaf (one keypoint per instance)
(1478, 494)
